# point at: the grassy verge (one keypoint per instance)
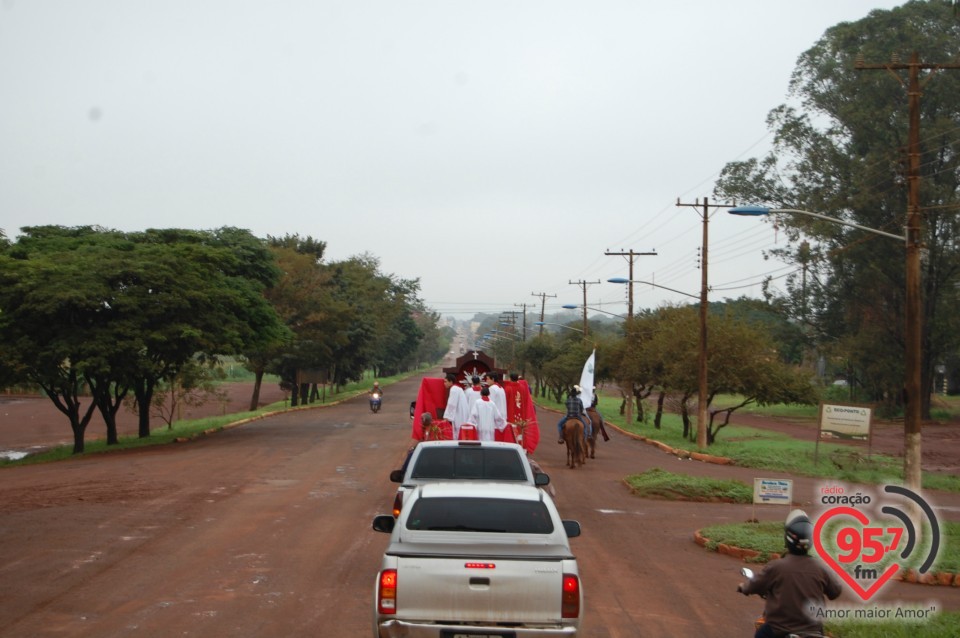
(657, 483)
(941, 625)
(161, 435)
(764, 449)
(766, 537)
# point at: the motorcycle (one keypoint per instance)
(375, 402)
(747, 573)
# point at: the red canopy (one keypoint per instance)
(521, 412)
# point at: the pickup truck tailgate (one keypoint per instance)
(479, 590)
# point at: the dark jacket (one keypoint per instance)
(795, 588)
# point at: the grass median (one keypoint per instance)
(658, 483)
(769, 450)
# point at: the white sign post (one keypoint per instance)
(844, 422)
(772, 492)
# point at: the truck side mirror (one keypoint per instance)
(396, 476)
(540, 479)
(572, 528)
(385, 522)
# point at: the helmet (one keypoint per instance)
(376, 384)
(798, 532)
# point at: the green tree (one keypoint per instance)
(534, 355)
(635, 373)
(742, 359)
(436, 340)
(115, 311)
(315, 321)
(841, 152)
(198, 293)
(44, 312)
(563, 371)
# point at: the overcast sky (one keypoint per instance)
(493, 149)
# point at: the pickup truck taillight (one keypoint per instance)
(570, 599)
(387, 592)
(397, 504)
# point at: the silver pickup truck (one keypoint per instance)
(472, 560)
(433, 461)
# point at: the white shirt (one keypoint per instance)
(499, 398)
(472, 397)
(486, 416)
(456, 411)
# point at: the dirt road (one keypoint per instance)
(264, 530)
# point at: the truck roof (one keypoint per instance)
(428, 444)
(515, 520)
(514, 491)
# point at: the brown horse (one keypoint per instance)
(576, 444)
(591, 449)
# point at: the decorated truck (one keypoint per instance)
(521, 413)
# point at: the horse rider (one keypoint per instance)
(575, 410)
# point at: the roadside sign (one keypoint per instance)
(845, 421)
(773, 491)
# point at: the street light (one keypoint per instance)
(573, 306)
(621, 280)
(702, 359)
(912, 473)
(759, 211)
(547, 323)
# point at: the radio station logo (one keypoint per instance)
(867, 541)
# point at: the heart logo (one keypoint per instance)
(881, 579)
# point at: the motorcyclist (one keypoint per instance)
(376, 389)
(793, 585)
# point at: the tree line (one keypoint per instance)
(752, 354)
(99, 314)
(840, 149)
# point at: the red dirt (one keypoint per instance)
(264, 529)
(29, 422)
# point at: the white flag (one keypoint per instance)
(586, 381)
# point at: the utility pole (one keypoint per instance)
(584, 285)
(524, 306)
(543, 306)
(702, 362)
(630, 255)
(913, 358)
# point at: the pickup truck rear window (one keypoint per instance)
(494, 515)
(469, 463)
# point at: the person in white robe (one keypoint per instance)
(473, 392)
(497, 393)
(456, 411)
(486, 416)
